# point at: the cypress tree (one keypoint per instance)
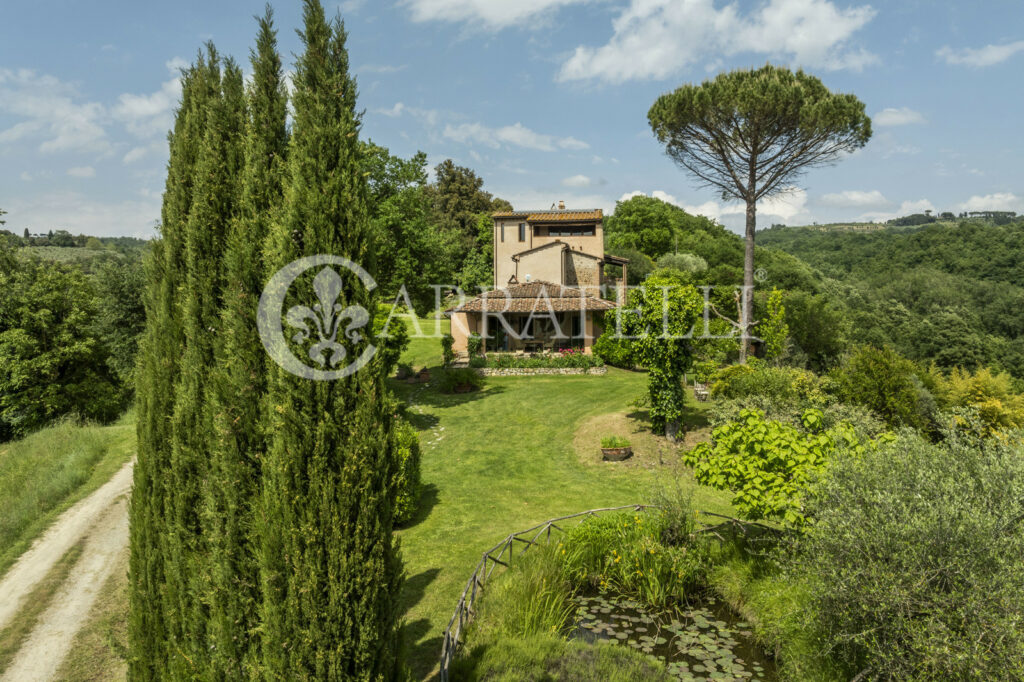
(214, 198)
(159, 350)
(238, 383)
(329, 568)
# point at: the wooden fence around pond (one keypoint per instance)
(496, 556)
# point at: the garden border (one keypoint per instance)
(533, 371)
(464, 609)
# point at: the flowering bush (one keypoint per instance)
(570, 358)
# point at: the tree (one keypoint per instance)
(214, 200)
(53, 362)
(151, 603)
(239, 376)
(330, 571)
(773, 330)
(660, 316)
(121, 315)
(750, 134)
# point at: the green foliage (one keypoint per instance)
(121, 316)
(52, 352)
(238, 381)
(614, 349)
(407, 483)
(991, 394)
(549, 657)
(775, 384)
(819, 329)
(447, 352)
(456, 380)
(768, 465)
(660, 315)
(614, 442)
(392, 337)
(684, 262)
(887, 383)
(640, 264)
(319, 541)
(913, 560)
(773, 330)
(474, 345)
(625, 554)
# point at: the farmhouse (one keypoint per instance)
(549, 284)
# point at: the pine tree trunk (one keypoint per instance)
(747, 307)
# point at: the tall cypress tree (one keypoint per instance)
(215, 196)
(329, 566)
(238, 383)
(159, 351)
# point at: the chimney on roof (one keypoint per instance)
(561, 205)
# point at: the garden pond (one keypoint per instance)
(702, 642)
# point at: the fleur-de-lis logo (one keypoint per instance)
(321, 323)
(326, 316)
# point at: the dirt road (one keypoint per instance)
(102, 521)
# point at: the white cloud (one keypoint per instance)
(516, 135)
(906, 208)
(658, 38)
(577, 181)
(53, 112)
(852, 198)
(494, 14)
(430, 116)
(151, 115)
(380, 68)
(980, 56)
(1000, 201)
(82, 172)
(898, 117)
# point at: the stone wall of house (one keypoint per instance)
(527, 371)
(581, 270)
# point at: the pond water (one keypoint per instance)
(702, 642)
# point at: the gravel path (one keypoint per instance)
(102, 520)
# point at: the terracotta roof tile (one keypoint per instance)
(534, 296)
(557, 215)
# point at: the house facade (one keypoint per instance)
(548, 284)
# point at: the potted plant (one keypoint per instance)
(423, 376)
(615, 449)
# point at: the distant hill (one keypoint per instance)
(949, 292)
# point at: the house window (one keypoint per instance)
(503, 232)
(572, 231)
(522, 232)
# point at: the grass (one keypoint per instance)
(12, 636)
(99, 650)
(500, 460)
(47, 472)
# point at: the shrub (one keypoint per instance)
(768, 465)
(614, 442)
(992, 395)
(392, 337)
(914, 560)
(774, 383)
(704, 370)
(452, 380)
(617, 352)
(624, 553)
(865, 423)
(887, 383)
(407, 446)
(684, 262)
(447, 350)
(474, 345)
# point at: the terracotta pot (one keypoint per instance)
(616, 454)
(423, 376)
(464, 388)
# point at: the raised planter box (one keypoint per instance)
(616, 454)
(528, 371)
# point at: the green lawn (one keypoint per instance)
(47, 472)
(498, 461)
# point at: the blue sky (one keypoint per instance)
(545, 99)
